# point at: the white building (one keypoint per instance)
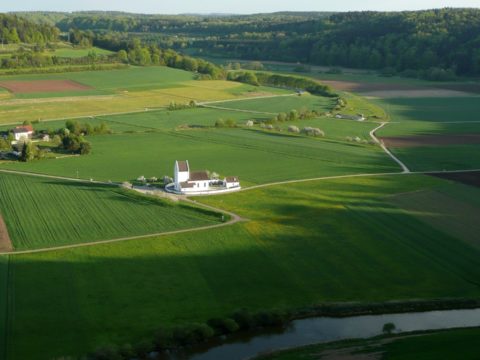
(231, 182)
(23, 133)
(199, 182)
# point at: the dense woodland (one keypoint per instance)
(437, 44)
(14, 29)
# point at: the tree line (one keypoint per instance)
(437, 44)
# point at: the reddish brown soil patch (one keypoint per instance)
(5, 243)
(25, 87)
(467, 177)
(431, 140)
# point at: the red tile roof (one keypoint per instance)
(199, 175)
(24, 128)
(182, 166)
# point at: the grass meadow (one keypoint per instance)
(305, 244)
(43, 213)
(78, 52)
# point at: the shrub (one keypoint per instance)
(163, 339)
(249, 123)
(271, 318)
(220, 123)
(293, 129)
(244, 319)
(193, 334)
(312, 131)
(224, 326)
(143, 348)
(108, 352)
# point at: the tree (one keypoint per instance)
(388, 328)
(122, 56)
(85, 148)
(29, 152)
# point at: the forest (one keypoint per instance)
(15, 29)
(436, 44)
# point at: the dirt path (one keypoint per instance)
(385, 149)
(5, 243)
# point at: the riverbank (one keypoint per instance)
(441, 344)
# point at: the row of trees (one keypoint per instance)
(283, 81)
(166, 339)
(38, 59)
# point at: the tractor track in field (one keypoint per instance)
(235, 218)
(204, 104)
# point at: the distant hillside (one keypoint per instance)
(15, 29)
(435, 44)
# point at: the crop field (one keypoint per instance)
(84, 213)
(3, 304)
(282, 104)
(453, 209)
(116, 91)
(323, 241)
(256, 156)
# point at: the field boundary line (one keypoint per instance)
(385, 149)
(246, 99)
(46, 176)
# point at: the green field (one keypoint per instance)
(434, 116)
(323, 241)
(118, 91)
(449, 344)
(282, 104)
(256, 156)
(78, 53)
(44, 213)
(3, 305)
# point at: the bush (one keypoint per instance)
(193, 334)
(143, 348)
(249, 123)
(293, 129)
(244, 319)
(108, 352)
(271, 318)
(223, 326)
(313, 131)
(163, 339)
(220, 123)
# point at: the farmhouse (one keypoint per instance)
(186, 181)
(22, 133)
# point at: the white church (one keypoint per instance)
(199, 182)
